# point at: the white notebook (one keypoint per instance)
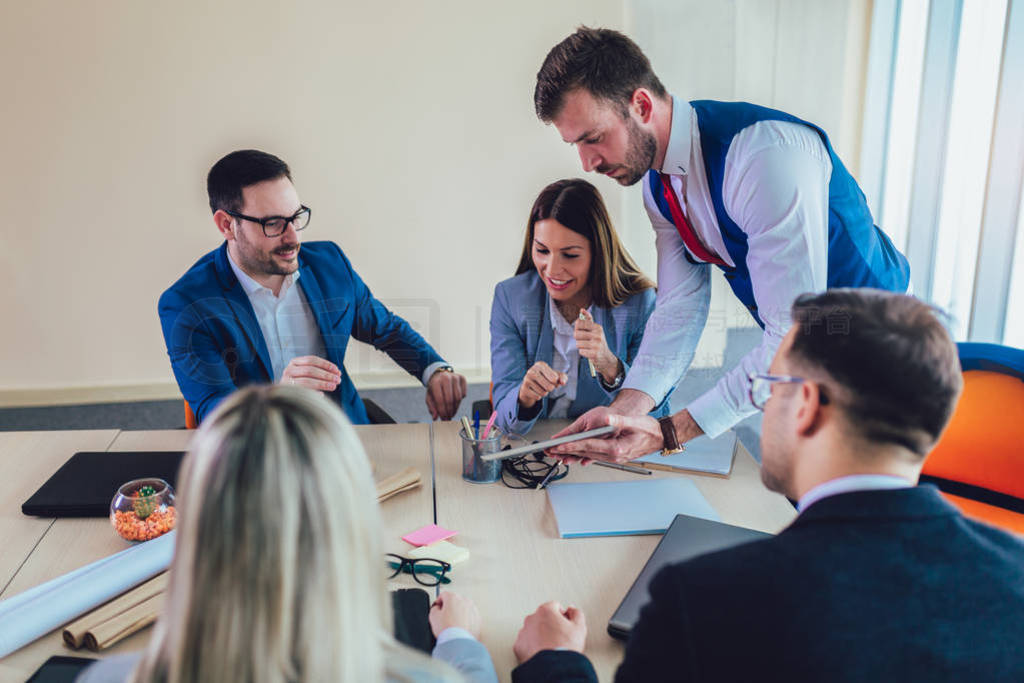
(625, 508)
(702, 454)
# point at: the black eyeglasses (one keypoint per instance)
(426, 571)
(275, 225)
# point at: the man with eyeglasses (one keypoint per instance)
(878, 578)
(265, 307)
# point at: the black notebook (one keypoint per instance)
(87, 482)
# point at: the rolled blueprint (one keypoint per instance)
(39, 610)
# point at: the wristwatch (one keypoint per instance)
(668, 433)
(616, 383)
(443, 368)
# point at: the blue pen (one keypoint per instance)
(476, 423)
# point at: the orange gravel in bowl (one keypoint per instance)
(130, 527)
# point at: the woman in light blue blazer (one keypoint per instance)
(565, 329)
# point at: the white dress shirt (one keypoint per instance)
(849, 483)
(775, 188)
(286, 320)
(288, 324)
(564, 358)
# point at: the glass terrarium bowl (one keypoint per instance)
(143, 509)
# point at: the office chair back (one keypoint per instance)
(978, 462)
(190, 417)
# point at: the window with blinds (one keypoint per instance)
(942, 158)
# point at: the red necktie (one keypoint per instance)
(685, 231)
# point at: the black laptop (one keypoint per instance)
(87, 482)
(686, 538)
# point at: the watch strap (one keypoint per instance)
(668, 433)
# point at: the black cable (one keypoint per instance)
(528, 471)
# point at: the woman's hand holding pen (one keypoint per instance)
(540, 380)
(592, 345)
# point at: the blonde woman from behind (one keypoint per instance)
(278, 571)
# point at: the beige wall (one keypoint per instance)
(408, 125)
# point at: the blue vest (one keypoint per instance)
(859, 253)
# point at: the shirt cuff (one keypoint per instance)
(431, 369)
(453, 633)
(712, 412)
(655, 382)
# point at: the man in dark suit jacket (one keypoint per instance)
(264, 307)
(877, 579)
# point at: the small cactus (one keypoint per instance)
(145, 502)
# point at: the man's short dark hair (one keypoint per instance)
(239, 170)
(603, 62)
(896, 365)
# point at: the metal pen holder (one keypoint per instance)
(474, 469)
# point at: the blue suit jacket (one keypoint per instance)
(521, 335)
(216, 346)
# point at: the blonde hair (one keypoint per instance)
(278, 571)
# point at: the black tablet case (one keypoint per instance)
(60, 669)
(87, 482)
(412, 618)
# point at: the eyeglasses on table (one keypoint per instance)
(426, 571)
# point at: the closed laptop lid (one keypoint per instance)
(687, 537)
(87, 482)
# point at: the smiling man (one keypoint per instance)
(755, 192)
(265, 307)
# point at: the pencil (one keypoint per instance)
(625, 468)
(544, 482)
(593, 372)
(490, 423)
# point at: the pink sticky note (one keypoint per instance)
(431, 533)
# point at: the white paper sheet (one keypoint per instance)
(37, 611)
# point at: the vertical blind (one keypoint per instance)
(942, 158)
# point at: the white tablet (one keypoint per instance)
(543, 445)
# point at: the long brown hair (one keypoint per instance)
(576, 204)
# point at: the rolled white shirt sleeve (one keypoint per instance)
(672, 331)
(775, 188)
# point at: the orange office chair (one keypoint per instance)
(978, 463)
(190, 417)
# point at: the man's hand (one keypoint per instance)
(540, 380)
(451, 609)
(445, 391)
(592, 345)
(312, 372)
(632, 402)
(550, 628)
(633, 437)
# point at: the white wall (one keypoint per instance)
(409, 127)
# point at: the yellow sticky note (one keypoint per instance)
(442, 550)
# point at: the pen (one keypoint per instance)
(626, 468)
(469, 429)
(593, 372)
(544, 482)
(490, 423)
(476, 424)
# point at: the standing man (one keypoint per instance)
(756, 192)
(264, 307)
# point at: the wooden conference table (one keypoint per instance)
(516, 559)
